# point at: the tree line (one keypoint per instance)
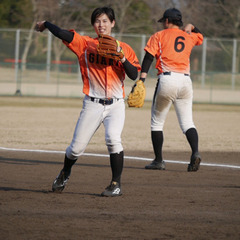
(215, 18)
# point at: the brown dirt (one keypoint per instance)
(170, 204)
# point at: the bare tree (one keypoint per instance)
(62, 13)
(29, 37)
(215, 18)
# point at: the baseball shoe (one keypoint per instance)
(195, 163)
(112, 190)
(154, 165)
(60, 181)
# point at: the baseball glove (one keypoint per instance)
(137, 95)
(109, 47)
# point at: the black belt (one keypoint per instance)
(103, 101)
(169, 73)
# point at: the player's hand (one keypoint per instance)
(188, 28)
(40, 27)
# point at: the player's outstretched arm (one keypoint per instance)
(55, 30)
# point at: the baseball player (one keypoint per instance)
(172, 48)
(103, 86)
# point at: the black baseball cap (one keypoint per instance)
(171, 13)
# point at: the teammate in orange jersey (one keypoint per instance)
(103, 86)
(172, 48)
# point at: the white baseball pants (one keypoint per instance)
(90, 119)
(176, 89)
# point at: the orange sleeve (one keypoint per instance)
(198, 38)
(78, 43)
(153, 45)
(130, 55)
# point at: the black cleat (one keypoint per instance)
(195, 163)
(154, 165)
(60, 181)
(113, 190)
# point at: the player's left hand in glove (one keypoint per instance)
(109, 47)
(137, 95)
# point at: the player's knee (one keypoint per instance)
(157, 125)
(114, 148)
(73, 152)
(114, 145)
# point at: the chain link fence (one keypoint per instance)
(38, 64)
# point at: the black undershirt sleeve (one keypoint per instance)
(130, 70)
(147, 61)
(58, 32)
(196, 30)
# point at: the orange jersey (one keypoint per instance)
(172, 48)
(102, 77)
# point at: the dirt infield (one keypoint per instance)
(170, 204)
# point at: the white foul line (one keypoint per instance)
(125, 157)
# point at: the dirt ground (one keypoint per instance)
(170, 204)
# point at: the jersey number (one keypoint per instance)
(179, 45)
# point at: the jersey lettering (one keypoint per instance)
(104, 61)
(96, 58)
(179, 45)
(91, 58)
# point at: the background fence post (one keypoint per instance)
(142, 47)
(78, 66)
(17, 78)
(49, 50)
(234, 56)
(204, 55)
